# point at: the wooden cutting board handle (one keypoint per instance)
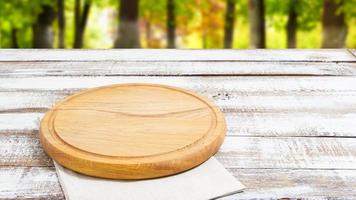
(132, 131)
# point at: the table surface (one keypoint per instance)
(291, 114)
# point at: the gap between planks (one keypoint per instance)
(352, 52)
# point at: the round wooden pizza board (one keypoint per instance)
(132, 131)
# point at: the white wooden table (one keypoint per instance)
(291, 114)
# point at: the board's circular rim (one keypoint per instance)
(119, 168)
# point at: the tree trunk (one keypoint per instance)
(80, 20)
(171, 24)
(292, 25)
(61, 23)
(42, 29)
(229, 24)
(128, 33)
(334, 27)
(14, 38)
(257, 23)
(77, 23)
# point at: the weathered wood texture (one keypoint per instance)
(291, 131)
(322, 55)
(288, 153)
(29, 183)
(239, 124)
(172, 68)
(23, 149)
(39, 182)
(301, 106)
(296, 184)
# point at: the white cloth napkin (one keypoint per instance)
(208, 181)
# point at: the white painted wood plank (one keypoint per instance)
(288, 152)
(294, 184)
(232, 94)
(20, 121)
(23, 149)
(322, 55)
(291, 124)
(240, 85)
(238, 124)
(229, 102)
(34, 182)
(29, 183)
(183, 68)
(246, 115)
(29, 101)
(304, 106)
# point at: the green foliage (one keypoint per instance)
(309, 13)
(241, 10)
(19, 15)
(186, 8)
(198, 22)
(276, 13)
(349, 8)
(158, 7)
(154, 11)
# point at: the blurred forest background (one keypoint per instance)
(177, 23)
